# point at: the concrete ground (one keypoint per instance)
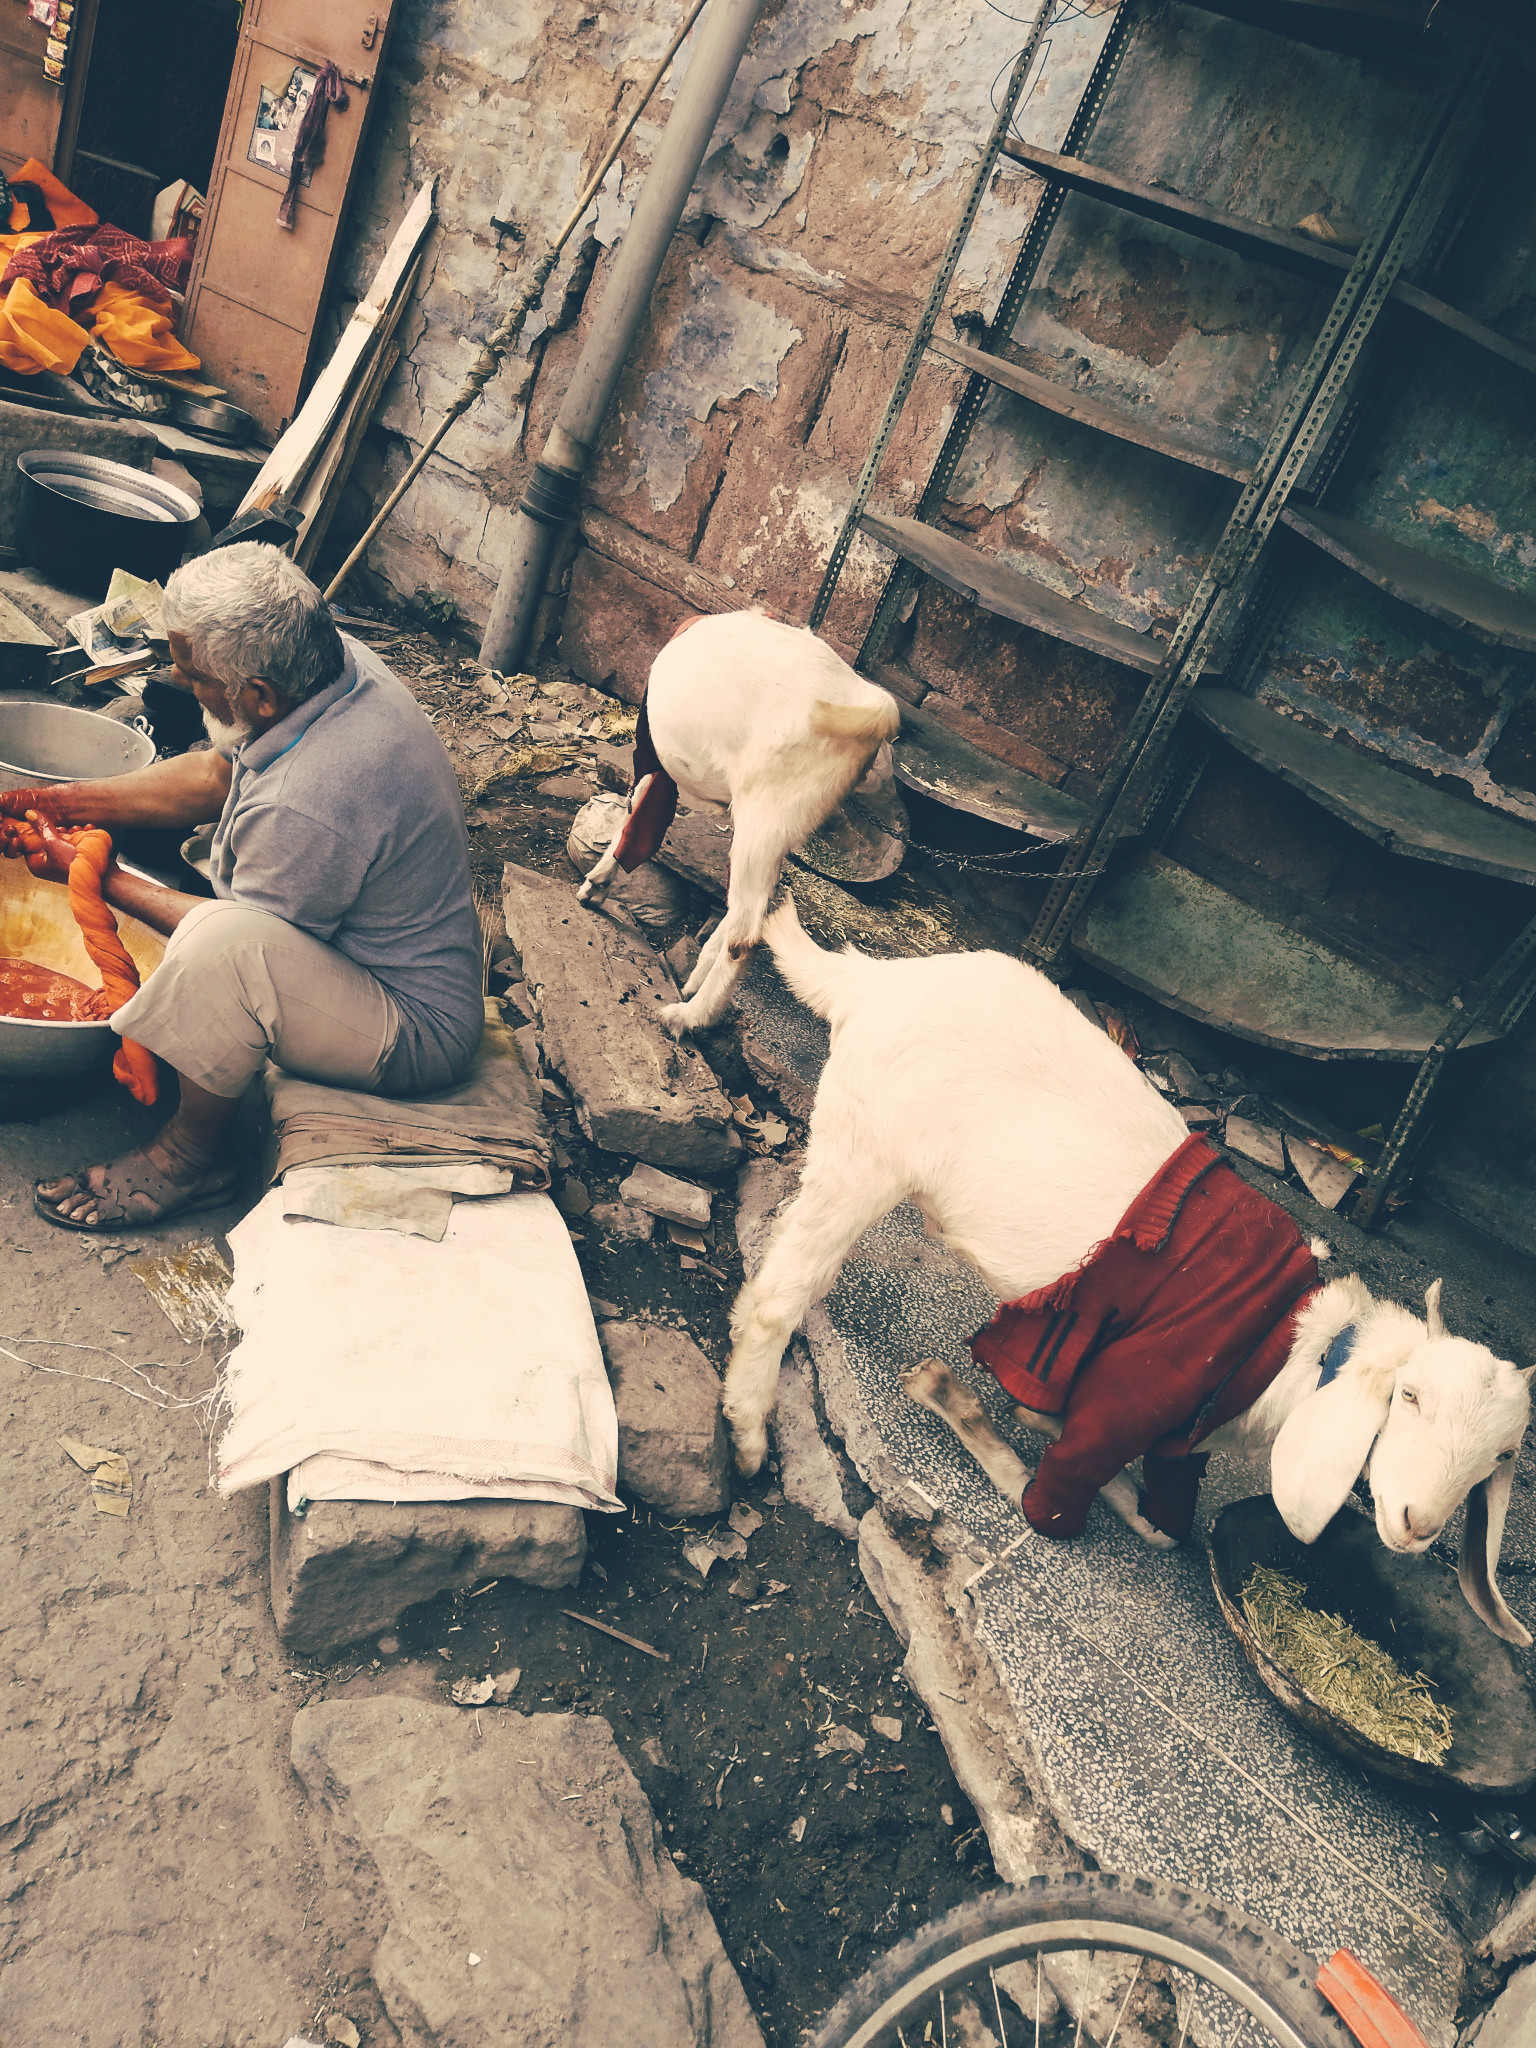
(161, 1882)
(1148, 1739)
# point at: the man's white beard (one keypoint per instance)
(228, 735)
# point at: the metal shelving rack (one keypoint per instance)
(1155, 925)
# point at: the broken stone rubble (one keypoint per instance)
(346, 1569)
(673, 1200)
(461, 1848)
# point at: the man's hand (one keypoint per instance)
(15, 803)
(37, 840)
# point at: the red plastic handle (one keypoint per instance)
(1372, 2015)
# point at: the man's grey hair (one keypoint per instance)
(248, 612)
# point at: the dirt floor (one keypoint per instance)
(163, 1888)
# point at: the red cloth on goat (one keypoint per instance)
(1171, 1328)
(71, 265)
(653, 801)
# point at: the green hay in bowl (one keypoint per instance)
(1350, 1675)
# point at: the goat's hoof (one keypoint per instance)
(1158, 1539)
(589, 896)
(750, 1447)
(678, 1018)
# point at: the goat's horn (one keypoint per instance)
(1432, 1308)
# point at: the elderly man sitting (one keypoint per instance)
(342, 941)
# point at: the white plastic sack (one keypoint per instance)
(652, 894)
(473, 1361)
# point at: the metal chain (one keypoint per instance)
(986, 863)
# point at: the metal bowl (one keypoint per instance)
(55, 743)
(36, 924)
(216, 417)
(1415, 1609)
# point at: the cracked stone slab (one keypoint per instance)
(597, 987)
(510, 1883)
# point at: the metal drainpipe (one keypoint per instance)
(554, 487)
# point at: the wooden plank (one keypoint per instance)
(1009, 594)
(1282, 246)
(1179, 939)
(935, 761)
(285, 469)
(1088, 412)
(1488, 610)
(1409, 817)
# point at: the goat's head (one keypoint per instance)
(1433, 1420)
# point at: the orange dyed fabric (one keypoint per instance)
(138, 327)
(67, 210)
(134, 1065)
(43, 995)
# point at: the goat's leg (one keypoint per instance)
(594, 889)
(1118, 1493)
(709, 953)
(757, 854)
(934, 1387)
(810, 1241)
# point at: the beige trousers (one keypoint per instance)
(238, 986)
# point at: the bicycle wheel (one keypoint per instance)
(1087, 1957)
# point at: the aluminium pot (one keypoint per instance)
(83, 517)
(56, 743)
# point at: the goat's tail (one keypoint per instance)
(820, 979)
(867, 723)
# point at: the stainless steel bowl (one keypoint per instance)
(55, 743)
(36, 924)
(214, 416)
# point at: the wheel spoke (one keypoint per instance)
(1120, 2015)
(998, 2003)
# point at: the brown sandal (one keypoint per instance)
(134, 1180)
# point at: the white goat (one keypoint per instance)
(765, 721)
(971, 1086)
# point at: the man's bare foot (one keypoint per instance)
(146, 1186)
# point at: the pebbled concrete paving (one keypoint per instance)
(1152, 1743)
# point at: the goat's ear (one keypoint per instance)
(1322, 1447)
(1487, 1505)
(1432, 1308)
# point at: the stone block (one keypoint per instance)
(1515, 1934)
(612, 766)
(623, 1219)
(511, 1881)
(1510, 2022)
(675, 1201)
(348, 1568)
(682, 957)
(598, 988)
(673, 1449)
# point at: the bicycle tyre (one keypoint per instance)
(1077, 1910)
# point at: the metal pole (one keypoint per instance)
(554, 487)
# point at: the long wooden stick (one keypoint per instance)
(497, 344)
(618, 1635)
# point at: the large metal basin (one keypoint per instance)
(55, 743)
(36, 924)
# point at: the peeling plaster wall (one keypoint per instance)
(826, 199)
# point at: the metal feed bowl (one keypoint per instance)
(1415, 1609)
(54, 743)
(36, 924)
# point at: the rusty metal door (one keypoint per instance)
(257, 286)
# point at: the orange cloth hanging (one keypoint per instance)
(135, 1066)
(67, 211)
